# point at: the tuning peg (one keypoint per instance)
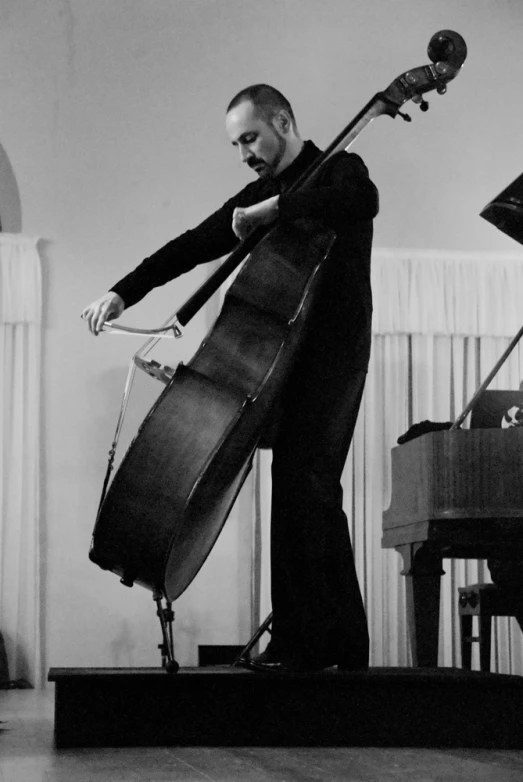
(422, 103)
(405, 117)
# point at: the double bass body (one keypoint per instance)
(179, 478)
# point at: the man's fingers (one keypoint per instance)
(87, 315)
(94, 317)
(91, 321)
(108, 307)
(103, 315)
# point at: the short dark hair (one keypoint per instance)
(267, 100)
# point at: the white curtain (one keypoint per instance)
(20, 319)
(442, 320)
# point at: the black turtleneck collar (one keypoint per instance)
(308, 154)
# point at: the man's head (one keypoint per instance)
(261, 124)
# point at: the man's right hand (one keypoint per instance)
(108, 307)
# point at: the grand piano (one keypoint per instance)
(458, 492)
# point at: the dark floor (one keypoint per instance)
(27, 754)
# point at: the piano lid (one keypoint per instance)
(506, 210)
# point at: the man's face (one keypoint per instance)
(260, 143)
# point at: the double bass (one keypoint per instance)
(162, 512)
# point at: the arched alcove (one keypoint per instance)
(10, 206)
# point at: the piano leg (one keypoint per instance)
(465, 622)
(423, 571)
(485, 633)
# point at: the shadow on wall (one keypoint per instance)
(5, 682)
(10, 206)
(4, 669)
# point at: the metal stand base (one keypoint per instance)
(245, 654)
(166, 617)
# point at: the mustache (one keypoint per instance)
(256, 161)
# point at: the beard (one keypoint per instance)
(267, 169)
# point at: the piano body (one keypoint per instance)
(455, 493)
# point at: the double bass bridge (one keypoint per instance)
(161, 372)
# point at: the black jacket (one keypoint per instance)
(343, 197)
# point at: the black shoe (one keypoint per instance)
(266, 662)
(271, 662)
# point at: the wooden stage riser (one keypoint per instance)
(232, 707)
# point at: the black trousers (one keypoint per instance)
(318, 611)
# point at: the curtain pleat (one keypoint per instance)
(20, 339)
(438, 292)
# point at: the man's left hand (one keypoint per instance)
(245, 220)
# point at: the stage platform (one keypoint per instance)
(225, 706)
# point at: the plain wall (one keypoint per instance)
(112, 122)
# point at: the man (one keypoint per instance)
(318, 614)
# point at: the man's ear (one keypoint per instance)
(283, 121)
